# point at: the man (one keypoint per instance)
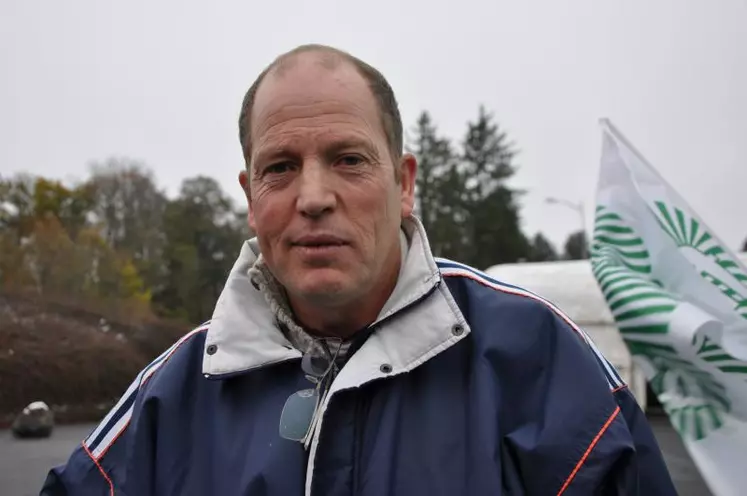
(342, 358)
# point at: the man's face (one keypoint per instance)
(323, 198)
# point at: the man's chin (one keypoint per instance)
(326, 291)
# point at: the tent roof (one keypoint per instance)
(569, 284)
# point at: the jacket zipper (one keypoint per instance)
(357, 426)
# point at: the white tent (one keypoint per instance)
(571, 286)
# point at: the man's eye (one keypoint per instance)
(278, 168)
(351, 160)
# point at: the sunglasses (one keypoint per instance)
(302, 407)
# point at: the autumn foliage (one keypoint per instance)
(98, 278)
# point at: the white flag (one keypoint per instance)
(679, 298)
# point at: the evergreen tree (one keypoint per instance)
(576, 247)
(494, 226)
(542, 250)
(439, 188)
(451, 229)
(434, 155)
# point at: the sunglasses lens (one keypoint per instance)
(298, 412)
(314, 365)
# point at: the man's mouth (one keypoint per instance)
(319, 241)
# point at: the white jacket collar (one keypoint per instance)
(243, 333)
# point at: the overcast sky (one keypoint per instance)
(162, 82)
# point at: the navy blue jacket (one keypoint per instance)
(466, 386)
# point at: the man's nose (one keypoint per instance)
(315, 196)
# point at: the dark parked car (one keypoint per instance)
(35, 421)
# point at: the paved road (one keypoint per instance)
(24, 464)
(684, 473)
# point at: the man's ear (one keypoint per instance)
(408, 169)
(245, 185)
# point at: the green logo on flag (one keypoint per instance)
(689, 383)
(726, 274)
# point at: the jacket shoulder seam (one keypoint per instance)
(588, 451)
(100, 468)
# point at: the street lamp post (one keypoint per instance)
(579, 208)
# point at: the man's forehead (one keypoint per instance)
(311, 77)
(311, 86)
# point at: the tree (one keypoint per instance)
(434, 156)
(451, 231)
(50, 245)
(494, 224)
(13, 270)
(576, 247)
(542, 249)
(108, 274)
(17, 205)
(130, 210)
(439, 188)
(70, 206)
(50, 252)
(26, 199)
(467, 209)
(203, 238)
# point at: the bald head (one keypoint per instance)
(330, 59)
